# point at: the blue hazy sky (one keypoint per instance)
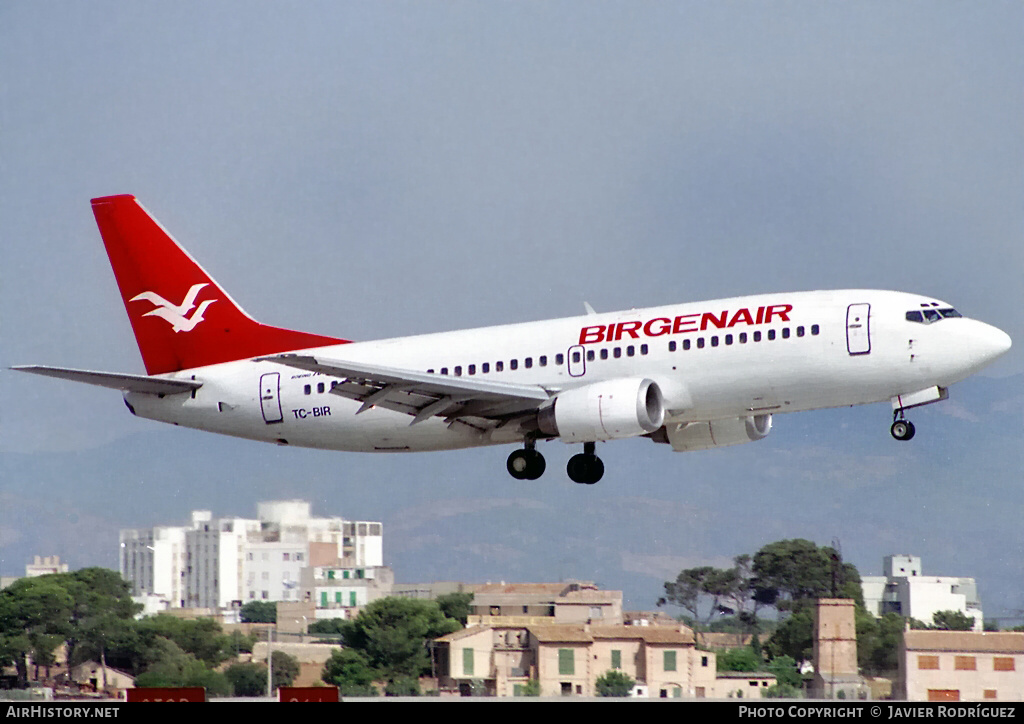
(379, 169)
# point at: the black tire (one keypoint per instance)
(902, 430)
(585, 469)
(525, 464)
(518, 464)
(536, 465)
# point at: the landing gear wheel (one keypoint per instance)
(902, 430)
(526, 464)
(585, 468)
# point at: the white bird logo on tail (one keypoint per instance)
(175, 313)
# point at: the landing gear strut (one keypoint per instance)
(901, 429)
(526, 464)
(586, 467)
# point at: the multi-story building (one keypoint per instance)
(961, 666)
(226, 562)
(905, 590)
(568, 659)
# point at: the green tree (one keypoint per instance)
(793, 637)
(718, 591)
(247, 678)
(457, 606)
(952, 621)
(180, 668)
(351, 672)
(403, 686)
(34, 613)
(203, 637)
(530, 688)
(392, 634)
(102, 603)
(789, 574)
(286, 669)
(743, 658)
(878, 641)
(258, 612)
(785, 671)
(614, 683)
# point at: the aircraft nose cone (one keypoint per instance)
(992, 343)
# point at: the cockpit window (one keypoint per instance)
(927, 316)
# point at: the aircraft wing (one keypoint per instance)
(419, 394)
(115, 380)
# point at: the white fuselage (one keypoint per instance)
(726, 358)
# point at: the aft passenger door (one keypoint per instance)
(858, 329)
(270, 397)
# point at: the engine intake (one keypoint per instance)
(606, 410)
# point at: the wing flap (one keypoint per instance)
(420, 394)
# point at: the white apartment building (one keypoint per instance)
(226, 562)
(904, 589)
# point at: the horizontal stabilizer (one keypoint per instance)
(115, 380)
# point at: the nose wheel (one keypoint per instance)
(901, 429)
(526, 464)
(585, 468)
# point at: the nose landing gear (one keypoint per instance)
(901, 429)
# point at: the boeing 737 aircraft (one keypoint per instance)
(691, 376)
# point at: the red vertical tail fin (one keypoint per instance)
(181, 317)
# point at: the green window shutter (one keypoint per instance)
(616, 659)
(670, 661)
(352, 598)
(330, 575)
(467, 662)
(566, 663)
(323, 599)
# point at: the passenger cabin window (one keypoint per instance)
(559, 359)
(528, 362)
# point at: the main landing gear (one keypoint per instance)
(586, 467)
(901, 429)
(528, 464)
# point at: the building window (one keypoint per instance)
(566, 663)
(670, 661)
(1004, 663)
(990, 694)
(467, 662)
(616, 659)
(928, 662)
(964, 663)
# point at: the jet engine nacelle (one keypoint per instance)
(717, 433)
(604, 411)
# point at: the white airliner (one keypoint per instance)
(692, 376)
